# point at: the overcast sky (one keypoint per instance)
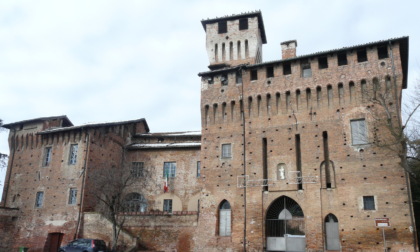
(99, 60)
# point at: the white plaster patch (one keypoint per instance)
(55, 222)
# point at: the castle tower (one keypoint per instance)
(292, 143)
(234, 40)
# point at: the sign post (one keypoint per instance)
(382, 223)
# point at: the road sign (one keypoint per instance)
(382, 222)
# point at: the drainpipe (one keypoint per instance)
(13, 148)
(244, 150)
(79, 217)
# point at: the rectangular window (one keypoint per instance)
(243, 24)
(382, 52)
(358, 132)
(239, 77)
(287, 69)
(270, 72)
(222, 26)
(254, 74)
(306, 69)
(342, 59)
(73, 154)
(137, 169)
(226, 151)
(47, 156)
(323, 62)
(39, 200)
(362, 55)
(167, 205)
(72, 196)
(368, 203)
(169, 169)
(198, 169)
(224, 80)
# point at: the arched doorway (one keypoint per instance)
(285, 226)
(332, 232)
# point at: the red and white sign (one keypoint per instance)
(382, 222)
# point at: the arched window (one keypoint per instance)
(363, 90)
(318, 96)
(341, 93)
(216, 55)
(308, 98)
(351, 91)
(230, 51)
(332, 233)
(327, 174)
(239, 50)
(330, 95)
(135, 202)
(225, 218)
(246, 49)
(376, 87)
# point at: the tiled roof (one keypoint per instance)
(165, 145)
(94, 125)
(171, 134)
(64, 117)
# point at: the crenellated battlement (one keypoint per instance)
(328, 81)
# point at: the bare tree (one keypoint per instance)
(118, 190)
(112, 184)
(399, 125)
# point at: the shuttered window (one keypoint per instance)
(226, 151)
(358, 132)
(167, 205)
(225, 219)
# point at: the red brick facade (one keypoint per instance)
(278, 159)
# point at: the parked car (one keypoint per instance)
(84, 245)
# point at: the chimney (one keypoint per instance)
(288, 49)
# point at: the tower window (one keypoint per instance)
(362, 55)
(243, 24)
(224, 80)
(382, 52)
(270, 72)
(323, 62)
(287, 69)
(254, 74)
(239, 77)
(342, 58)
(306, 69)
(222, 26)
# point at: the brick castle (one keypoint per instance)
(288, 159)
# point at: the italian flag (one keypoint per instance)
(165, 184)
